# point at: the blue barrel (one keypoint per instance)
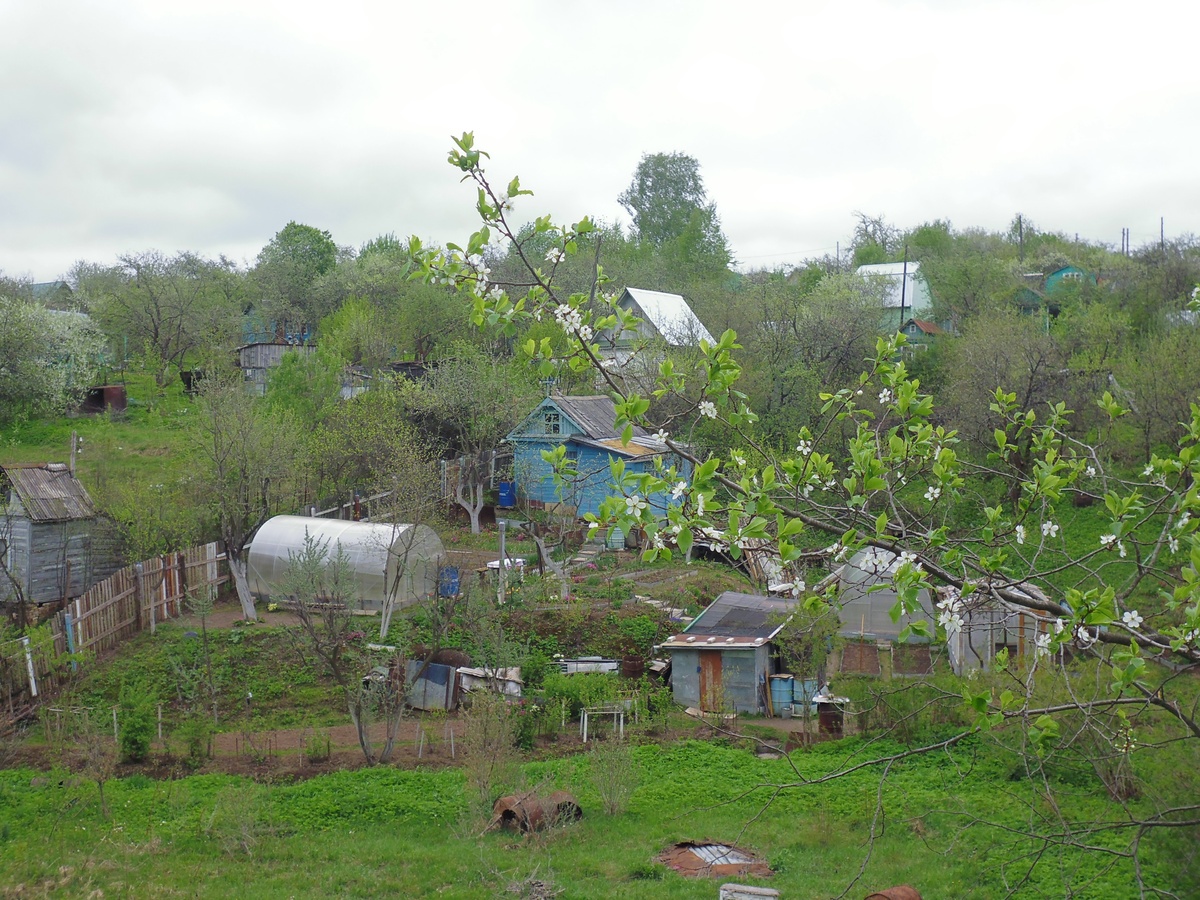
(448, 581)
(802, 693)
(781, 690)
(615, 539)
(508, 495)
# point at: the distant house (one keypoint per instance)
(664, 317)
(921, 333)
(54, 294)
(587, 427)
(1067, 275)
(905, 291)
(256, 361)
(53, 543)
(871, 639)
(723, 660)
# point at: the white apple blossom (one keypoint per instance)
(678, 490)
(951, 621)
(1173, 544)
(634, 505)
(885, 396)
(1020, 530)
(708, 409)
(555, 255)
(798, 587)
(933, 492)
(1090, 471)
(1049, 529)
(1121, 548)
(1132, 619)
(804, 447)
(1106, 540)
(1059, 625)
(1042, 642)
(661, 436)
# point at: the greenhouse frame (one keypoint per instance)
(393, 565)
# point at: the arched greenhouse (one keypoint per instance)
(389, 562)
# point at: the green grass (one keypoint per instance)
(381, 832)
(289, 688)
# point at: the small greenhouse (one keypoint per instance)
(394, 565)
(867, 596)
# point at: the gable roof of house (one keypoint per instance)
(735, 620)
(915, 288)
(49, 492)
(597, 416)
(670, 315)
(924, 326)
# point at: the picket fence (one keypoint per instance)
(130, 601)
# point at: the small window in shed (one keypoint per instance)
(552, 424)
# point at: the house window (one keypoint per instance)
(552, 424)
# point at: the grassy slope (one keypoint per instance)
(378, 832)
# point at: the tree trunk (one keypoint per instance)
(546, 562)
(237, 566)
(474, 505)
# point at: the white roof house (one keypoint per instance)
(664, 315)
(903, 285)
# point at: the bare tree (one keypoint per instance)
(248, 458)
(322, 589)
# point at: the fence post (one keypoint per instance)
(116, 737)
(138, 571)
(33, 690)
(70, 629)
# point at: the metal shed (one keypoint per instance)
(723, 658)
(393, 564)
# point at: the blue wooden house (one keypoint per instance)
(1068, 275)
(587, 426)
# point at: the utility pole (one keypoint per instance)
(1020, 237)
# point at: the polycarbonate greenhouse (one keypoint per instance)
(389, 561)
(867, 596)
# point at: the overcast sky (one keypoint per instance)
(207, 126)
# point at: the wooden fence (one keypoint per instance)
(130, 601)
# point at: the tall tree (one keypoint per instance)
(46, 358)
(287, 268)
(671, 209)
(248, 460)
(171, 306)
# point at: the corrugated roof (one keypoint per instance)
(597, 416)
(746, 618)
(925, 326)
(670, 315)
(49, 492)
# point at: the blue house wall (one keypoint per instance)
(535, 477)
(550, 425)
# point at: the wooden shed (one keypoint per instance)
(53, 543)
(722, 660)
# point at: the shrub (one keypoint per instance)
(584, 689)
(195, 732)
(317, 746)
(614, 775)
(136, 720)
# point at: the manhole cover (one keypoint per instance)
(708, 858)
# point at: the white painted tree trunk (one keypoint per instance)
(237, 566)
(472, 504)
